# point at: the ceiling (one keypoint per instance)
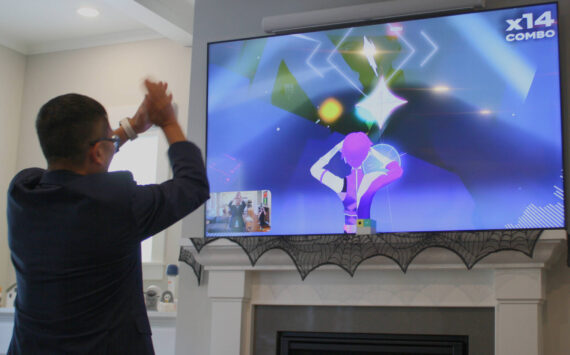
(43, 26)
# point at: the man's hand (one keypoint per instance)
(161, 112)
(141, 120)
(159, 103)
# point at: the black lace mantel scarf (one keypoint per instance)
(348, 252)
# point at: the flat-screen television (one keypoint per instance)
(440, 123)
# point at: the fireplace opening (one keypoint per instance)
(477, 323)
(319, 343)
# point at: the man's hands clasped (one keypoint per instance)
(159, 103)
(156, 108)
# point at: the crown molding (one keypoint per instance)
(93, 41)
(13, 45)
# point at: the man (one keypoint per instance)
(74, 229)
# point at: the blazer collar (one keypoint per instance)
(58, 177)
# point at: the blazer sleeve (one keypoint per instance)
(158, 206)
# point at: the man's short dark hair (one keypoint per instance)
(67, 124)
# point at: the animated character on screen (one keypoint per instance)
(372, 167)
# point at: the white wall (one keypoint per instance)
(12, 69)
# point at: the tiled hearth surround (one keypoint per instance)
(509, 281)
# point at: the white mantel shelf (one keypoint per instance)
(508, 281)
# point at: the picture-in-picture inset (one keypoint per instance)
(239, 212)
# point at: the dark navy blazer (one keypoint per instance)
(75, 245)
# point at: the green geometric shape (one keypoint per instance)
(250, 55)
(288, 95)
(246, 63)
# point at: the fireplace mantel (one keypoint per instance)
(509, 281)
(226, 255)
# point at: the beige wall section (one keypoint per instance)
(113, 76)
(556, 315)
(12, 71)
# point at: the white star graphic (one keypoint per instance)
(379, 105)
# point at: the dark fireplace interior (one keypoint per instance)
(318, 343)
(274, 325)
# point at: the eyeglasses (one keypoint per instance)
(114, 139)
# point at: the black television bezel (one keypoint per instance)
(403, 18)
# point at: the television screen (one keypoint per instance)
(447, 123)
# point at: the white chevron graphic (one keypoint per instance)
(315, 50)
(435, 48)
(403, 62)
(334, 66)
(411, 49)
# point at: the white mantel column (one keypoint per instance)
(518, 314)
(229, 292)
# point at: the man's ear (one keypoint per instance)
(96, 155)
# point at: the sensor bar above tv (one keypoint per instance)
(362, 13)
